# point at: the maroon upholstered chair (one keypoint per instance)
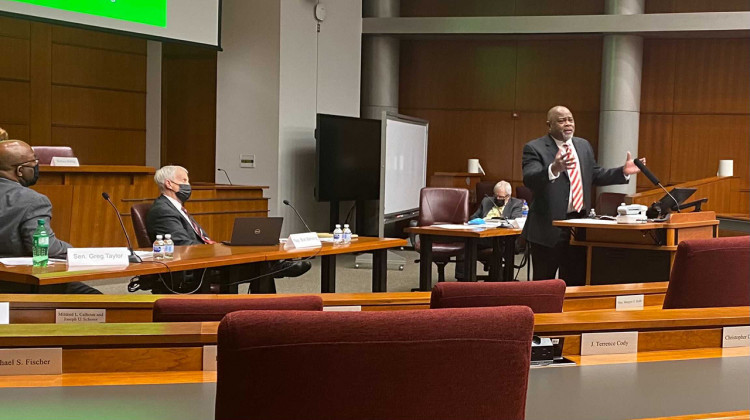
(524, 193)
(417, 365)
(138, 214)
(483, 189)
(204, 310)
(443, 205)
(607, 203)
(710, 273)
(544, 296)
(46, 153)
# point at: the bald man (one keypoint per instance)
(562, 190)
(21, 208)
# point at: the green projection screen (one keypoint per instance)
(195, 21)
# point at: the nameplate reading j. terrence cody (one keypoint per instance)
(46, 361)
(86, 257)
(609, 343)
(80, 316)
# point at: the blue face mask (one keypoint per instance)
(184, 193)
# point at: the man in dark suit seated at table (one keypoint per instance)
(502, 205)
(169, 215)
(20, 209)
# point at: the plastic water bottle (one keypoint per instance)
(525, 210)
(168, 247)
(347, 234)
(159, 248)
(338, 235)
(40, 248)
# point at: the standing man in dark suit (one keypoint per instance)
(501, 205)
(21, 208)
(560, 169)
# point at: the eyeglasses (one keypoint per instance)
(502, 197)
(34, 161)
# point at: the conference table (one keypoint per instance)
(194, 257)
(470, 235)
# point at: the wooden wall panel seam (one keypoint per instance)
(100, 88)
(100, 49)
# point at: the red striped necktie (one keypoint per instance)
(576, 186)
(196, 227)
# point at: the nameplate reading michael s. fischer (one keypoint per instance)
(80, 316)
(46, 361)
(735, 336)
(629, 303)
(85, 257)
(609, 343)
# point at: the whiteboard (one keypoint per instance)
(404, 163)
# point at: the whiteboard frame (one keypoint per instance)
(383, 218)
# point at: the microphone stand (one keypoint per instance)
(133, 258)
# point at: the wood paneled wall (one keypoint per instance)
(695, 101)
(74, 87)
(471, 90)
(695, 109)
(188, 131)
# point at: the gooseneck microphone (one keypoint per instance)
(651, 177)
(132, 258)
(226, 174)
(286, 202)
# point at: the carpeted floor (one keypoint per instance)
(349, 279)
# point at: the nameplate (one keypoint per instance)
(85, 257)
(4, 312)
(609, 343)
(80, 316)
(302, 240)
(209, 358)
(47, 361)
(64, 161)
(629, 303)
(353, 308)
(735, 336)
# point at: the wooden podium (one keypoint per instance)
(636, 253)
(83, 218)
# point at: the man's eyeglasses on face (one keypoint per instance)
(34, 161)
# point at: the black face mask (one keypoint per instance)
(184, 193)
(29, 182)
(499, 202)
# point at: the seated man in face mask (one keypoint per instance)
(20, 210)
(169, 215)
(502, 205)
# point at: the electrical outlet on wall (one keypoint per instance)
(247, 161)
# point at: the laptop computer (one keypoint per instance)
(255, 231)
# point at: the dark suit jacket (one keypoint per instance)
(20, 208)
(551, 197)
(511, 210)
(163, 218)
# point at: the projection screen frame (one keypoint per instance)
(77, 25)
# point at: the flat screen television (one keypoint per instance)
(347, 158)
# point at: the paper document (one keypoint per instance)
(145, 254)
(448, 226)
(25, 261)
(593, 221)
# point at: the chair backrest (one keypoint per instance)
(524, 193)
(138, 214)
(417, 365)
(544, 296)
(46, 153)
(485, 189)
(607, 203)
(205, 310)
(443, 205)
(710, 273)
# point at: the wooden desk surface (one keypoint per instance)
(189, 258)
(469, 232)
(676, 221)
(111, 169)
(200, 333)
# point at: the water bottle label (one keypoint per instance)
(169, 248)
(43, 241)
(336, 237)
(157, 249)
